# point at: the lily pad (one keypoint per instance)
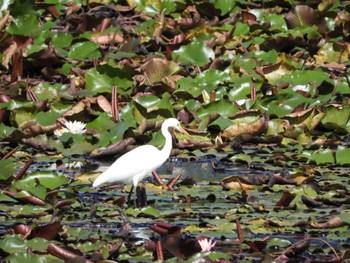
(196, 53)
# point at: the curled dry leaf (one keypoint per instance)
(253, 129)
(298, 248)
(303, 15)
(8, 53)
(311, 203)
(80, 107)
(234, 182)
(27, 199)
(63, 253)
(104, 104)
(334, 222)
(113, 149)
(155, 68)
(47, 231)
(32, 129)
(22, 229)
(285, 200)
(107, 39)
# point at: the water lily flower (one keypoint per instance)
(207, 244)
(74, 127)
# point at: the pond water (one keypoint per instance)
(212, 211)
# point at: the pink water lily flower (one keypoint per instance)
(207, 244)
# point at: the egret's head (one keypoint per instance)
(173, 123)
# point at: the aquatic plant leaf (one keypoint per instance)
(196, 53)
(323, 157)
(150, 103)
(84, 50)
(336, 118)
(224, 108)
(153, 8)
(304, 77)
(13, 244)
(225, 6)
(8, 167)
(145, 211)
(241, 29)
(97, 82)
(328, 54)
(23, 116)
(26, 25)
(48, 179)
(342, 155)
(62, 40)
(45, 91)
(47, 118)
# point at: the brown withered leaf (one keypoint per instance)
(26, 199)
(234, 182)
(116, 148)
(32, 129)
(82, 107)
(22, 229)
(311, 203)
(303, 15)
(258, 245)
(146, 126)
(173, 244)
(8, 53)
(239, 230)
(298, 247)
(43, 58)
(156, 68)
(4, 19)
(47, 231)
(238, 129)
(285, 200)
(104, 104)
(107, 39)
(334, 222)
(65, 254)
(194, 144)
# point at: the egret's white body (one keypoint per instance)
(133, 166)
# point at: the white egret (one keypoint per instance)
(133, 166)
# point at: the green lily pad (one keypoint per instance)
(48, 179)
(342, 155)
(26, 25)
(196, 53)
(323, 157)
(84, 50)
(8, 167)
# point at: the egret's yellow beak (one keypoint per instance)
(182, 130)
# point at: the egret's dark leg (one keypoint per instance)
(143, 195)
(138, 197)
(130, 193)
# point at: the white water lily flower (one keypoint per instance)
(207, 244)
(75, 127)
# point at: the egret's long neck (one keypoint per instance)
(168, 142)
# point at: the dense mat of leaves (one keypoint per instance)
(121, 67)
(80, 76)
